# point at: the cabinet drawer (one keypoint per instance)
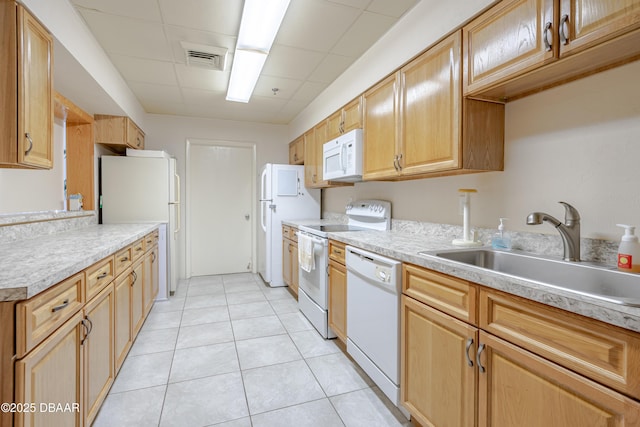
(150, 240)
(39, 316)
(286, 232)
(602, 352)
(99, 275)
(449, 294)
(137, 249)
(123, 259)
(336, 251)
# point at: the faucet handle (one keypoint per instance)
(571, 214)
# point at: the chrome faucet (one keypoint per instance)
(569, 231)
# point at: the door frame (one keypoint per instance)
(220, 143)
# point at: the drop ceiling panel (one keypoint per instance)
(218, 16)
(315, 24)
(330, 68)
(156, 93)
(126, 36)
(175, 35)
(395, 8)
(290, 62)
(146, 10)
(308, 91)
(201, 78)
(145, 70)
(286, 87)
(366, 30)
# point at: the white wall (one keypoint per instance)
(170, 133)
(577, 143)
(29, 190)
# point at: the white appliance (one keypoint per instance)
(342, 157)
(313, 285)
(144, 187)
(373, 310)
(283, 196)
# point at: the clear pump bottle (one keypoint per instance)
(501, 239)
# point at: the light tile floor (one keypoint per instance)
(229, 351)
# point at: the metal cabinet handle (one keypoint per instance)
(153, 257)
(124, 259)
(86, 331)
(26, 153)
(399, 161)
(395, 163)
(135, 277)
(564, 37)
(547, 37)
(102, 276)
(61, 306)
(480, 350)
(467, 347)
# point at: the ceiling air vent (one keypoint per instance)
(210, 57)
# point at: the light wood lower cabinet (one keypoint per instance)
(99, 355)
(337, 290)
(137, 297)
(290, 258)
(559, 370)
(52, 373)
(150, 279)
(122, 329)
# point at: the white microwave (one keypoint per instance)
(342, 158)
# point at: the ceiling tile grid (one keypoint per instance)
(318, 41)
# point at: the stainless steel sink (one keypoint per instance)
(582, 278)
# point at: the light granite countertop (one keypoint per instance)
(405, 247)
(30, 266)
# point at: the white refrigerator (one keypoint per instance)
(283, 196)
(144, 187)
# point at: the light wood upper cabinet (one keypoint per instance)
(118, 132)
(380, 129)
(347, 118)
(26, 117)
(519, 47)
(296, 151)
(416, 123)
(310, 174)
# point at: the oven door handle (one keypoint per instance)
(317, 240)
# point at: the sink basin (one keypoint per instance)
(582, 278)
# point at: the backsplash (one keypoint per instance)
(33, 224)
(591, 250)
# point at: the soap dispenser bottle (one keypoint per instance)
(501, 239)
(629, 250)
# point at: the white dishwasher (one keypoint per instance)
(373, 317)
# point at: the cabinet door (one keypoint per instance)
(431, 95)
(99, 355)
(584, 23)
(521, 389)
(295, 281)
(286, 262)
(122, 319)
(52, 374)
(507, 41)
(296, 151)
(35, 92)
(338, 299)
(147, 280)
(137, 300)
(335, 125)
(380, 130)
(352, 115)
(309, 158)
(437, 367)
(320, 137)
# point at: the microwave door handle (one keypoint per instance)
(343, 154)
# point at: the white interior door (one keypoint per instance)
(220, 207)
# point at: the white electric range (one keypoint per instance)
(313, 244)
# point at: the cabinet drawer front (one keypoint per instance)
(150, 240)
(451, 295)
(123, 260)
(37, 317)
(286, 232)
(337, 251)
(99, 275)
(137, 249)
(599, 351)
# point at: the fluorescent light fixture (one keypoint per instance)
(260, 22)
(247, 65)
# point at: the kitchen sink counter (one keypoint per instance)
(30, 266)
(405, 247)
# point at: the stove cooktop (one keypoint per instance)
(333, 228)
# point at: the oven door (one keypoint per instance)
(314, 283)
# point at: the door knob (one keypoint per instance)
(246, 217)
